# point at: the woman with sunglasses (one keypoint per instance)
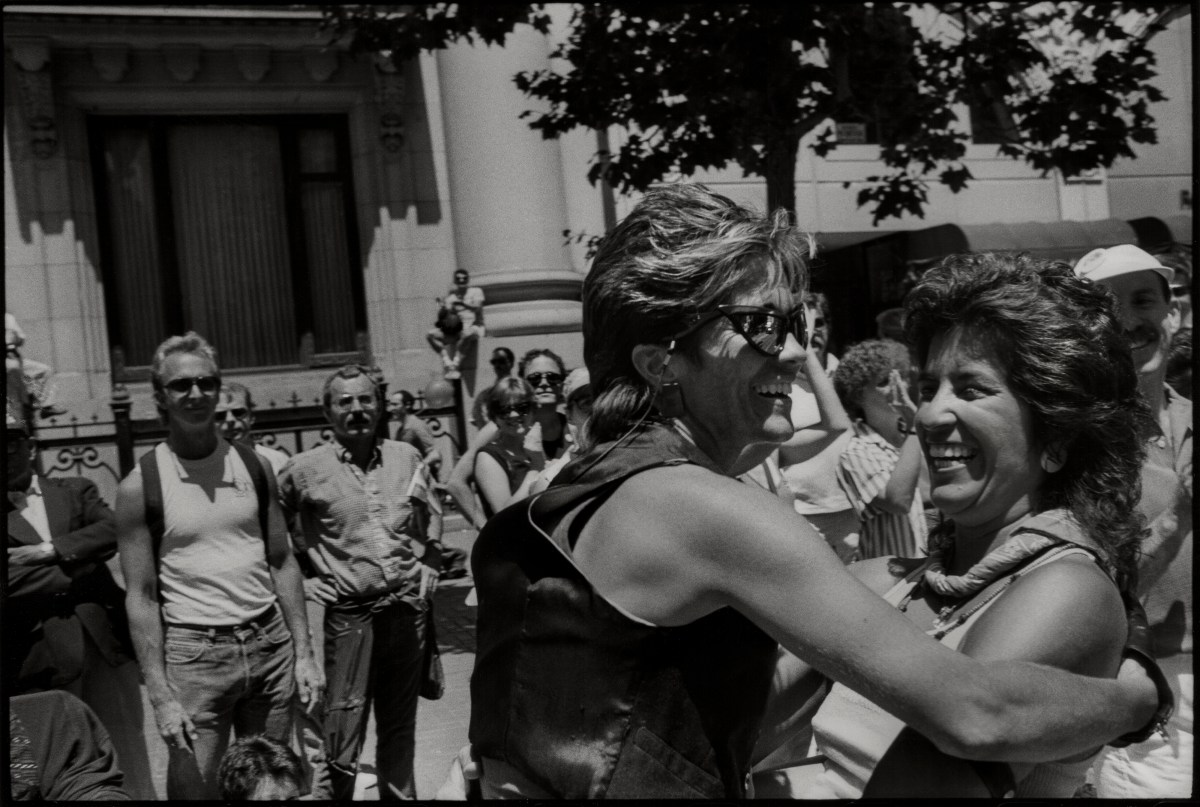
(545, 372)
(630, 615)
(507, 464)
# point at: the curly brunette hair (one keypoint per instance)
(1064, 352)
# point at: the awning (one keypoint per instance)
(828, 242)
(1061, 240)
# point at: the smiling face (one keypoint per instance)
(191, 407)
(733, 395)
(984, 464)
(353, 408)
(1148, 316)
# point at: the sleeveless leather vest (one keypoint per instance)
(585, 701)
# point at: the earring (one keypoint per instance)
(669, 400)
(1051, 463)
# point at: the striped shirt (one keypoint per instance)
(863, 473)
(370, 528)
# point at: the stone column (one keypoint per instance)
(506, 187)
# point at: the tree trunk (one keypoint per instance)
(780, 162)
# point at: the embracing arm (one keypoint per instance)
(140, 569)
(1006, 709)
(1067, 615)
(728, 547)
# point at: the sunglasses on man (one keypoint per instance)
(208, 384)
(764, 328)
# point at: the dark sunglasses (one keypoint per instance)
(208, 384)
(238, 413)
(1180, 291)
(536, 379)
(765, 329)
(521, 409)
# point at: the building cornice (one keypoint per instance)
(152, 26)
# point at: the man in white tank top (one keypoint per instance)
(216, 608)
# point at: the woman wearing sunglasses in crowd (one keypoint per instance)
(629, 615)
(510, 462)
(545, 372)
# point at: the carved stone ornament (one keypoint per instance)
(36, 91)
(320, 62)
(253, 61)
(183, 61)
(110, 61)
(389, 97)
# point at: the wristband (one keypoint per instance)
(1138, 644)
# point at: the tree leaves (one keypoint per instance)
(701, 85)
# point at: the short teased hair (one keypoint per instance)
(863, 364)
(254, 759)
(541, 351)
(1066, 357)
(507, 391)
(190, 342)
(348, 371)
(237, 388)
(681, 251)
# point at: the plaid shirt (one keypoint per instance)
(864, 470)
(370, 528)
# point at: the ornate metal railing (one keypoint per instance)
(105, 451)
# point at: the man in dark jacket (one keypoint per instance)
(64, 622)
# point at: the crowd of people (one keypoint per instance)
(722, 560)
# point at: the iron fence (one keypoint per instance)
(106, 450)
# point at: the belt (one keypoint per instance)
(258, 622)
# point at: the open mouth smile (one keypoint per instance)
(776, 390)
(944, 456)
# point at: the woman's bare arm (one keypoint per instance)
(683, 542)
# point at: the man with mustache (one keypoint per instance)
(371, 526)
(1162, 765)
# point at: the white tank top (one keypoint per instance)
(213, 563)
(854, 734)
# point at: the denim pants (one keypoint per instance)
(242, 680)
(373, 653)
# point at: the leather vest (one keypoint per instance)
(584, 700)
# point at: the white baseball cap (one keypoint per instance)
(1101, 264)
(577, 379)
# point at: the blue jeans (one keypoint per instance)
(373, 652)
(242, 679)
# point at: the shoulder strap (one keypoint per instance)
(262, 486)
(152, 498)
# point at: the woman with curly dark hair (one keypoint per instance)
(1032, 427)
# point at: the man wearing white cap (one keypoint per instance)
(1162, 765)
